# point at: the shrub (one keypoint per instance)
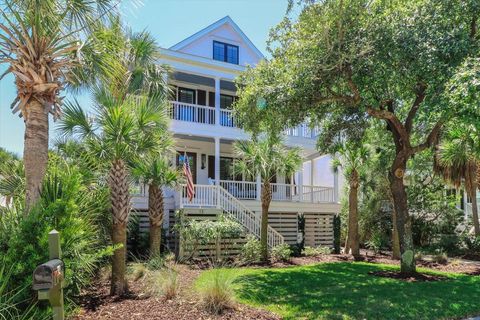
(251, 251)
(440, 257)
(195, 233)
(9, 306)
(471, 243)
(71, 205)
(316, 251)
(376, 242)
(281, 252)
(217, 292)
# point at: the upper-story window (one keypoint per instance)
(225, 52)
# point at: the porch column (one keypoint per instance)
(217, 101)
(335, 186)
(259, 187)
(312, 174)
(217, 161)
(312, 171)
(300, 183)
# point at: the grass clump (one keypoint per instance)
(440, 257)
(217, 292)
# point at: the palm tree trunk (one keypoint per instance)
(266, 199)
(35, 152)
(473, 185)
(120, 201)
(354, 238)
(404, 226)
(155, 212)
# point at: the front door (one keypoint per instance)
(192, 161)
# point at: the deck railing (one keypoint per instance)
(316, 194)
(192, 112)
(244, 190)
(204, 114)
(283, 192)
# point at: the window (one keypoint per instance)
(186, 95)
(226, 101)
(225, 52)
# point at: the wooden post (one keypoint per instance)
(55, 295)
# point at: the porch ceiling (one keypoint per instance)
(203, 81)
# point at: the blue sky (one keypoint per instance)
(170, 21)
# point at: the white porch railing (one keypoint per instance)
(303, 131)
(227, 119)
(216, 196)
(192, 112)
(244, 190)
(283, 192)
(316, 194)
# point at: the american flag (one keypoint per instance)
(188, 175)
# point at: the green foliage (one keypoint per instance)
(217, 291)
(195, 233)
(10, 306)
(266, 157)
(282, 252)
(251, 252)
(316, 251)
(314, 292)
(376, 242)
(70, 205)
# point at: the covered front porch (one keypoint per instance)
(211, 160)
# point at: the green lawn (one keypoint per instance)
(347, 291)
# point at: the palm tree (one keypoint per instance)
(40, 43)
(121, 130)
(129, 91)
(156, 171)
(458, 160)
(352, 159)
(266, 158)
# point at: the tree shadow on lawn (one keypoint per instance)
(347, 291)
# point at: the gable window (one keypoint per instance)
(225, 52)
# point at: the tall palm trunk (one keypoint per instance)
(404, 224)
(155, 213)
(35, 152)
(266, 200)
(120, 200)
(471, 186)
(353, 238)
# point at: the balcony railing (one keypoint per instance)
(192, 113)
(206, 115)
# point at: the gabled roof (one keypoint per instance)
(213, 26)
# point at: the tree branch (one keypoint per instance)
(432, 138)
(420, 93)
(393, 122)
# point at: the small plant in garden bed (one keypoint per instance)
(217, 292)
(281, 252)
(316, 251)
(251, 251)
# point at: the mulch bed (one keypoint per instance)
(416, 277)
(98, 304)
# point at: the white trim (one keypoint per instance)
(213, 26)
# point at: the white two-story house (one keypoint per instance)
(204, 67)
